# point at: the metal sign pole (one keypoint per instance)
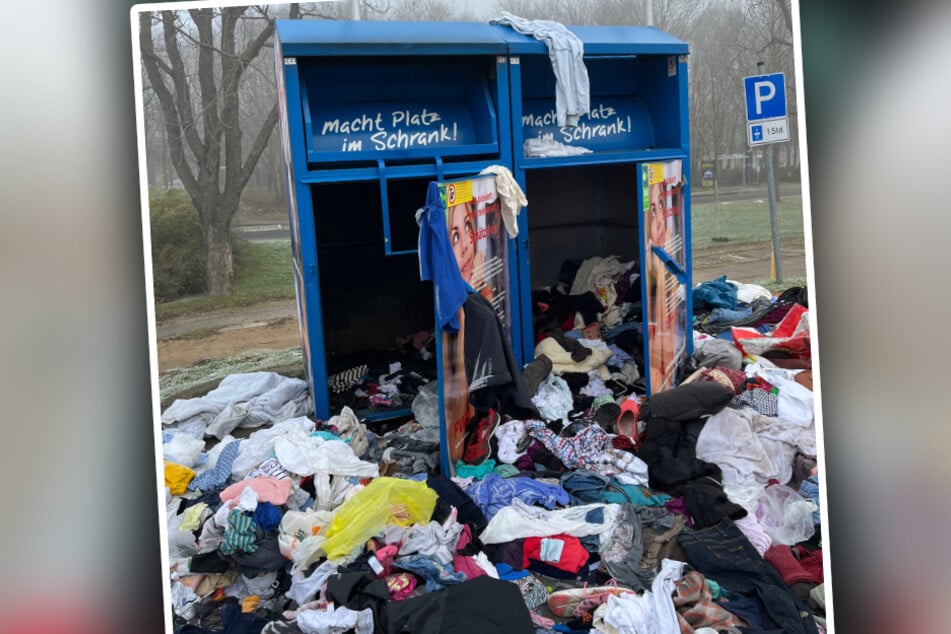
(771, 189)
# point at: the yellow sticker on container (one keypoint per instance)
(458, 193)
(655, 173)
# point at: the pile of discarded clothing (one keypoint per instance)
(373, 381)
(588, 327)
(693, 510)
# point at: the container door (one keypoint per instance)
(665, 279)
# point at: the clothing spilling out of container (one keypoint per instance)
(519, 413)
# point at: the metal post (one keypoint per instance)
(650, 12)
(771, 190)
(355, 10)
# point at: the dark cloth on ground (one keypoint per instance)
(359, 591)
(476, 606)
(723, 553)
(707, 503)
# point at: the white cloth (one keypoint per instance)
(259, 446)
(304, 589)
(599, 274)
(306, 455)
(508, 435)
(781, 439)
(300, 537)
(566, 51)
(650, 613)
(796, 401)
(248, 400)
(746, 293)
(433, 540)
(536, 147)
(520, 520)
(510, 194)
(553, 398)
(351, 430)
(755, 533)
(728, 441)
(615, 462)
(335, 621)
(183, 449)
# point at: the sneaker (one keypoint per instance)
(577, 601)
(477, 449)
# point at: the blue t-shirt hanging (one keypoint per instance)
(437, 262)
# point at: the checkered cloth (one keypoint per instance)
(766, 403)
(695, 606)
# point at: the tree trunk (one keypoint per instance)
(219, 266)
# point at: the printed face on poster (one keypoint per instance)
(478, 238)
(666, 299)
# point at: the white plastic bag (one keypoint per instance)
(785, 515)
(553, 398)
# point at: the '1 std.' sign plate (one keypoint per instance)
(771, 131)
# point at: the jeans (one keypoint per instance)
(724, 554)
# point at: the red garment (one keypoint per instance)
(464, 563)
(812, 563)
(790, 569)
(573, 554)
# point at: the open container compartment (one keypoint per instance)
(597, 204)
(371, 112)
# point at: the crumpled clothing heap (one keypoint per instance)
(246, 400)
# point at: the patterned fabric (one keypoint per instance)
(214, 478)
(578, 452)
(733, 380)
(766, 403)
(347, 379)
(240, 534)
(695, 605)
(400, 585)
(437, 574)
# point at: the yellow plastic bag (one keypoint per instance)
(384, 502)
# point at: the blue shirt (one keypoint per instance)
(437, 262)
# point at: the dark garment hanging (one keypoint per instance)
(477, 606)
(494, 379)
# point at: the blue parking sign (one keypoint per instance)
(765, 96)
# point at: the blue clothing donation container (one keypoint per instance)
(613, 185)
(372, 112)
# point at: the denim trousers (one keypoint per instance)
(723, 553)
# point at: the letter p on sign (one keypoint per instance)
(765, 96)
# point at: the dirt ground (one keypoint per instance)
(193, 340)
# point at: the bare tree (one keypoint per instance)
(201, 108)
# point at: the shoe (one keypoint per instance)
(477, 449)
(626, 424)
(575, 602)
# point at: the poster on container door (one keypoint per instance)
(478, 239)
(665, 295)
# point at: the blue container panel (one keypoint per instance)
(635, 103)
(398, 108)
(614, 124)
(661, 91)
